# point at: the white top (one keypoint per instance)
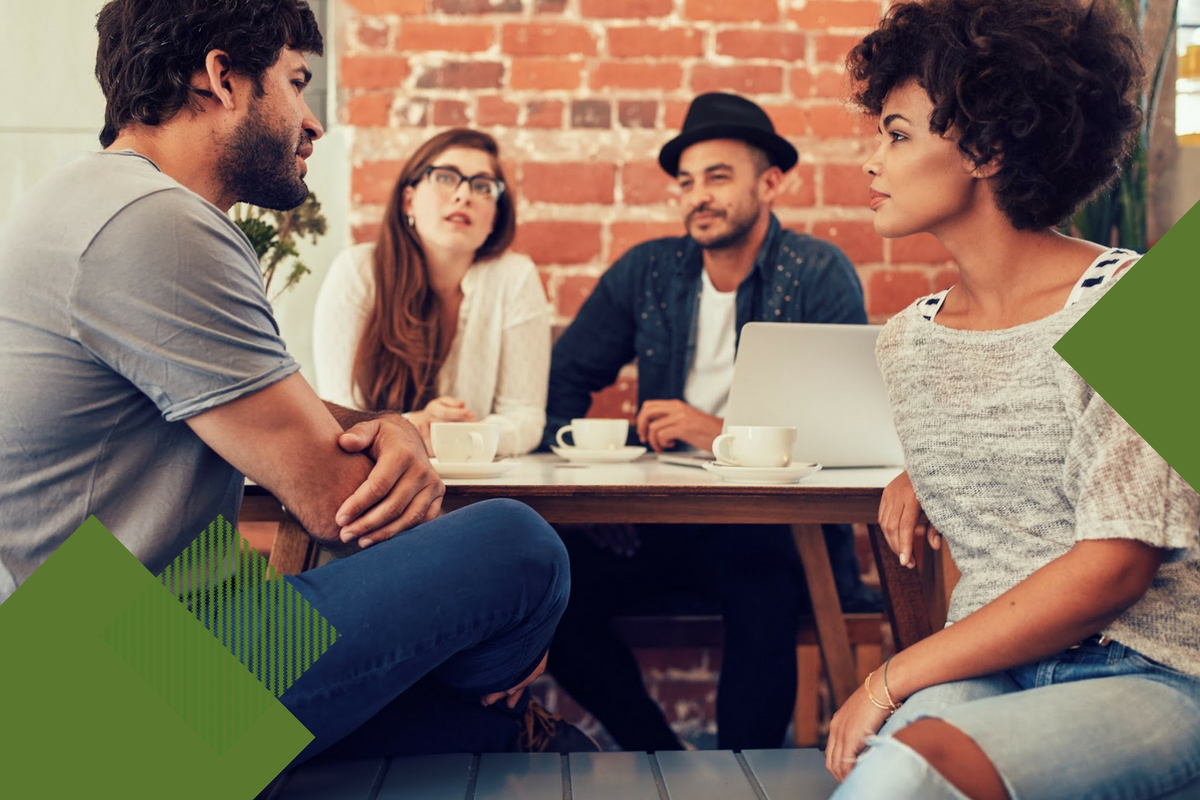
(711, 373)
(499, 361)
(1015, 458)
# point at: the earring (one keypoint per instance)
(412, 221)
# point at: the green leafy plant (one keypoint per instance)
(1117, 217)
(275, 235)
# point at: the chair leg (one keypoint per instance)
(808, 705)
(293, 550)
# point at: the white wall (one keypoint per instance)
(51, 108)
(1187, 180)
(50, 105)
(329, 178)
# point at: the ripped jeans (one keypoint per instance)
(1101, 722)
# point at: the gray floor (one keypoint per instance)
(700, 775)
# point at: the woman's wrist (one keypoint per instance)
(895, 678)
(879, 692)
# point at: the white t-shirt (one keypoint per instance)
(711, 373)
(498, 364)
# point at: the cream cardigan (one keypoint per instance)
(499, 362)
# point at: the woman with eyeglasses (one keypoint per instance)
(436, 318)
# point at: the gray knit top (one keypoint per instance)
(1014, 458)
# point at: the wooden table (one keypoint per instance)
(648, 491)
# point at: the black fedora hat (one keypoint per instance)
(717, 115)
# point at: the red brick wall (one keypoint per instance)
(581, 94)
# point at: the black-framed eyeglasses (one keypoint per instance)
(447, 179)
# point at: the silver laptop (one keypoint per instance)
(823, 380)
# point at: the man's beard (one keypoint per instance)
(740, 227)
(259, 165)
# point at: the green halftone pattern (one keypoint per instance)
(263, 621)
(78, 721)
(177, 659)
(1138, 347)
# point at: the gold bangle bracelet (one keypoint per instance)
(887, 692)
(871, 697)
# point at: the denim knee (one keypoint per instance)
(893, 770)
(520, 542)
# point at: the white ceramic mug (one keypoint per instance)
(755, 446)
(595, 434)
(464, 442)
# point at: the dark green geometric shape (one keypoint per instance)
(174, 654)
(263, 620)
(78, 722)
(1139, 347)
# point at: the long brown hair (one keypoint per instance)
(401, 351)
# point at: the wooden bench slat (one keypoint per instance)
(791, 774)
(520, 776)
(335, 780)
(704, 775)
(440, 777)
(612, 776)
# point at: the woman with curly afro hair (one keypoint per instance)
(1070, 667)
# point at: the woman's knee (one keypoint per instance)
(894, 770)
(956, 757)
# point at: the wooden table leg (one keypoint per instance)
(902, 597)
(827, 611)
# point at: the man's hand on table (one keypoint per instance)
(401, 491)
(662, 424)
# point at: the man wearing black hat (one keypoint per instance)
(677, 305)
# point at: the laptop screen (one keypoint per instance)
(823, 380)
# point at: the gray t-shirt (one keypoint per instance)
(127, 304)
(1015, 458)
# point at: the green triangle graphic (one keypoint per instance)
(262, 619)
(79, 722)
(1139, 347)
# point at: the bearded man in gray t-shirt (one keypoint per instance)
(144, 375)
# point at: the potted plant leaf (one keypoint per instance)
(1117, 216)
(276, 234)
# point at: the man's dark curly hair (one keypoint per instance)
(150, 49)
(1049, 88)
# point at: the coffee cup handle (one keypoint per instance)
(477, 446)
(718, 446)
(563, 431)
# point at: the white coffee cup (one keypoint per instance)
(464, 442)
(755, 446)
(594, 434)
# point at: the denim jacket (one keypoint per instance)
(645, 307)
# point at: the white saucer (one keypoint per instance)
(788, 474)
(617, 456)
(490, 469)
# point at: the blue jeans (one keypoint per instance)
(1101, 722)
(430, 621)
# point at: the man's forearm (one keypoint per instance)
(349, 417)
